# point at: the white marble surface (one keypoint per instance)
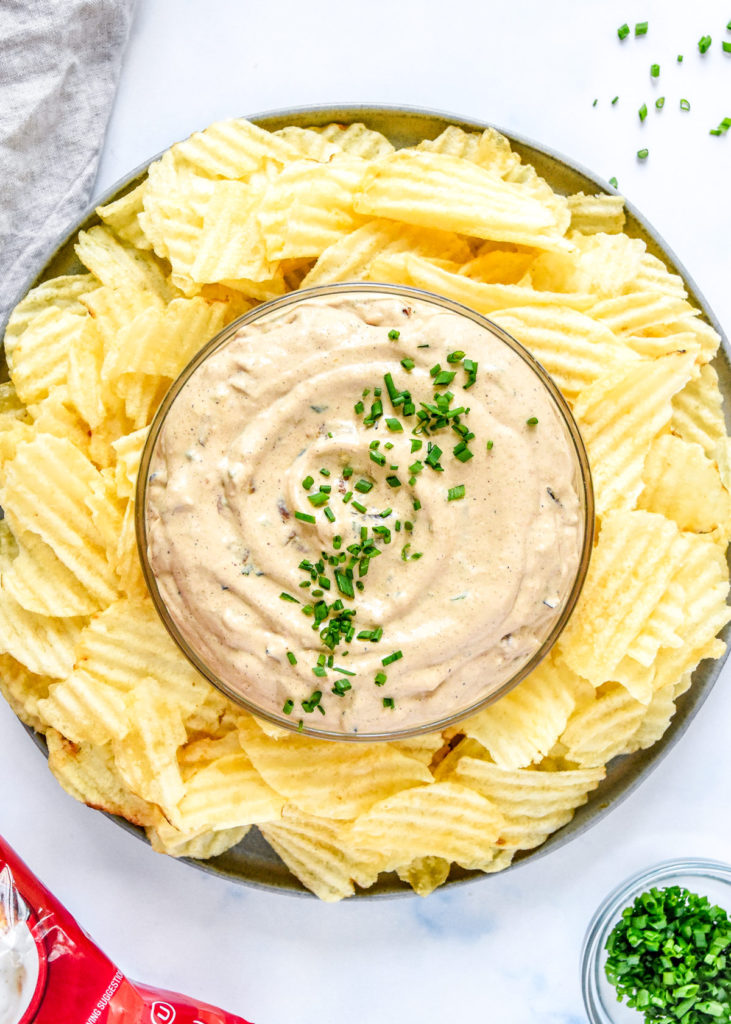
(506, 948)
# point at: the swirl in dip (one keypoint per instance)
(363, 513)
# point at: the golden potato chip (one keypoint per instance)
(423, 747)
(638, 312)
(574, 349)
(593, 214)
(302, 770)
(405, 268)
(603, 264)
(60, 293)
(309, 206)
(10, 404)
(620, 415)
(38, 359)
(499, 266)
(129, 452)
(43, 644)
(122, 216)
(683, 485)
(522, 726)
(425, 874)
(436, 190)
(54, 415)
(84, 383)
(655, 721)
(442, 820)
(233, 149)
(23, 690)
(119, 265)
(227, 793)
(357, 140)
(600, 730)
(41, 583)
(455, 142)
(231, 243)
(85, 710)
(318, 852)
(698, 411)
(310, 144)
(45, 486)
(199, 753)
(653, 275)
(88, 773)
(165, 838)
(631, 567)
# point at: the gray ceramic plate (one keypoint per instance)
(253, 862)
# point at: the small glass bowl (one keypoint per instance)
(274, 309)
(710, 878)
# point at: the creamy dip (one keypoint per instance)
(478, 552)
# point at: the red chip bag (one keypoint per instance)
(52, 973)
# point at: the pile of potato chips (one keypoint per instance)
(236, 215)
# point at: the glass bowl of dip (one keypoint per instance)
(709, 878)
(364, 512)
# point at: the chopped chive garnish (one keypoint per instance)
(444, 377)
(489, 446)
(455, 493)
(300, 726)
(347, 472)
(660, 102)
(616, 98)
(374, 444)
(359, 407)
(377, 392)
(337, 541)
(318, 499)
(408, 364)
(416, 444)
(287, 707)
(462, 452)
(393, 481)
(388, 446)
(291, 658)
(312, 703)
(394, 425)
(595, 103)
(307, 482)
(655, 70)
(364, 486)
(347, 496)
(455, 357)
(643, 112)
(385, 513)
(341, 687)
(359, 508)
(329, 515)
(393, 334)
(390, 658)
(684, 105)
(641, 28)
(642, 154)
(704, 43)
(284, 596)
(435, 370)
(532, 421)
(304, 517)
(345, 584)
(377, 457)
(380, 679)
(417, 504)
(623, 31)
(325, 472)
(320, 671)
(388, 702)
(613, 182)
(726, 47)
(325, 488)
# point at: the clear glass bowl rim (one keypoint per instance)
(272, 307)
(663, 874)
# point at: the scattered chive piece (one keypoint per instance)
(642, 154)
(325, 488)
(444, 377)
(390, 658)
(729, 26)
(329, 515)
(287, 707)
(595, 103)
(660, 102)
(300, 725)
(393, 481)
(320, 671)
(377, 457)
(347, 496)
(380, 679)
(341, 687)
(359, 407)
(304, 517)
(345, 584)
(532, 421)
(324, 472)
(385, 513)
(623, 31)
(643, 112)
(347, 472)
(377, 392)
(393, 334)
(359, 508)
(655, 70)
(613, 182)
(704, 43)
(364, 486)
(679, 58)
(684, 105)
(641, 28)
(284, 596)
(416, 445)
(417, 504)
(489, 446)
(318, 499)
(388, 446)
(408, 364)
(307, 482)
(455, 357)
(394, 425)
(726, 47)
(455, 493)
(435, 370)
(388, 702)
(615, 100)
(291, 658)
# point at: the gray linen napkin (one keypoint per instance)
(59, 63)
